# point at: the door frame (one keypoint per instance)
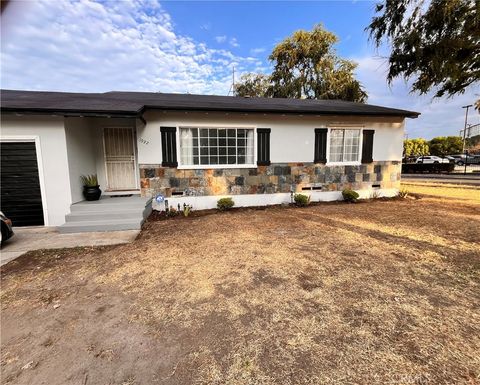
(135, 158)
(41, 175)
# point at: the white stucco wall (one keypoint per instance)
(81, 153)
(53, 170)
(291, 139)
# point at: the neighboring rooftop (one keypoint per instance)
(135, 103)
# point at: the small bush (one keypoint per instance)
(187, 210)
(403, 193)
(375, 194)
(350, 195)
(89, 180)
(301, 200)
(172, 212)
(224, 204)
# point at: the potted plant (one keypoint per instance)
(91, 188)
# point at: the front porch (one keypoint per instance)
(110, 213)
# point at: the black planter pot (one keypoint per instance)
(92, 193)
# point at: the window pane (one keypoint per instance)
(336, 145)
(222, 159)
(217, 146)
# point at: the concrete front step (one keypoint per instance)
(120, 213)
(111, 204)
(107, 214)
(102, 225)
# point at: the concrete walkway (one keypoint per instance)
(35, 238)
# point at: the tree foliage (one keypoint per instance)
(254, 85)
(305, 65)
(415, 147)
(437, 46)
(446, 145)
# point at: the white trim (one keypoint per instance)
(246, 200)
(181, 166)
(41, 175)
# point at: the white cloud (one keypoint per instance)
(439, 117)
(91, 46)
(233, 42)
(257, 51)
(221, 39)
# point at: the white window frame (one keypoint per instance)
(41, 174)
(182, 166)
(360, 144)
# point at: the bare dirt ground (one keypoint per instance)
(384, 292)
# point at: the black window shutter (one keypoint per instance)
(367, 147)
(169, 146)
(263, 146)
(320, 155)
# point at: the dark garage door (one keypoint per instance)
(21, 199)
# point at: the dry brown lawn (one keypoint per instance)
(384, 292)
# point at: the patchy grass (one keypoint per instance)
(467, 193)
(385, 292)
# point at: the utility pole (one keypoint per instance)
(232, 87)
(465, 127)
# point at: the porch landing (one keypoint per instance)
(110, 213)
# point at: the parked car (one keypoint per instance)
(431, 159)
(6, 228)
(461, 159)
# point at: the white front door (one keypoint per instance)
(120, 158)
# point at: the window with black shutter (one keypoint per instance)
(320, 155)
(169, 146)
(367, 146)
(263, 146)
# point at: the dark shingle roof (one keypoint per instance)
(134, 103)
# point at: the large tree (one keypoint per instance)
(305, 65)
(445, 145)
(415, 147)
(435, 44)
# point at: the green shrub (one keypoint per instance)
(224, 204)
(187, 210)
(301, 200)
(350, 195)
(89, 180)
(403, 193)
(172, 212)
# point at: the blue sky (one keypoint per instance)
(180, 46)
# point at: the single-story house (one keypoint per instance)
(190, 149)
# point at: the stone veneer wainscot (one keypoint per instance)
(276, 178)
